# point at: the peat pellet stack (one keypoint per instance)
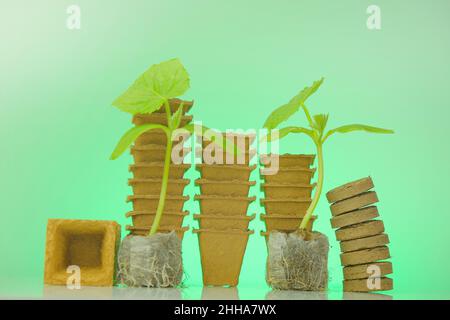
(223, 221)
(149, 153)
(364, 245)
(287, 192)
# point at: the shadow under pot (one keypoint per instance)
(222, 222)
(224, 205)
(158, 118)
(143, 231)
(222, 253)
(230, 188)
(150, 203)
(288, 160)
(156, 153)
(285, 223)
(291, 207)
(155, 170)
(168, 219)
(285, 190)
(175, 187)
(290, 175)
(224, 172)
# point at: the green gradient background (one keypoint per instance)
(57, 126)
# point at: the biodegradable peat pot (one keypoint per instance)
(292, 207)
(143, 231)
(158, 118)
(153, 261)
(225, 172)
(230, 188)
(282, 190)
(354, 203)
(224, 205)
(350, 189)
(156, 153)
(296, 263)
(222, 252)
(285, 223)
(236, 138)
(155, 170)
(363, 271)
(168, 219)
(354, 217)
(363, 285)
(222, 222)
(360, 230)
(289, 160)
(290, 175)
(158, 137)
(365, 243)
(150, 203)
(364, 256)
(175, 187)
(175, 104)
(221, 157)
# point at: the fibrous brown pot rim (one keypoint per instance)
(145, 213)
(293, 169)
(232, 182)
(162, 115)
(291, 185)
(156, 164)
(374, 221)
(216, 197)
(228, 231)
(133, 228)
(154, 197)
(150, 146)
(283, 216)
(137, 180)
(198, 216)
(224, 166)
(284, 200)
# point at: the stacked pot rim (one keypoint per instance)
(364, 245)
(287, 192)
(148, 153)
(224, 201)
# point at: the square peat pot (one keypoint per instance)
(90, 245)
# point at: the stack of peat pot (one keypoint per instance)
(287, 192)
(149, 153)
(362, 239)
(224, 200)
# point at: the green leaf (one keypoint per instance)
(176, 118)
(284, 112)
(131, 135)
(358, 127)
(287, 130)
(320, 122)
(159, 83)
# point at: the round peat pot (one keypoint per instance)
(171, 220)
(224, 205)
(222, 252)
(360, 230)
(155, 170)
(354, 203)
(362, 285)
(363, 271)
(158, 118)
(222, 222)
(350, 189)
(238, 139)
(156, 153)
(158, 137)
(291, 207)
(290, 175)
(364, 256)
(150, 203)
(225, 172)
(174, 104)
(175, 187)
(288, 160)
(354, 217)
(284, 190)
(143, 231)
(285, 223)
(230, 188)
(365, 243)
(221, 157)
